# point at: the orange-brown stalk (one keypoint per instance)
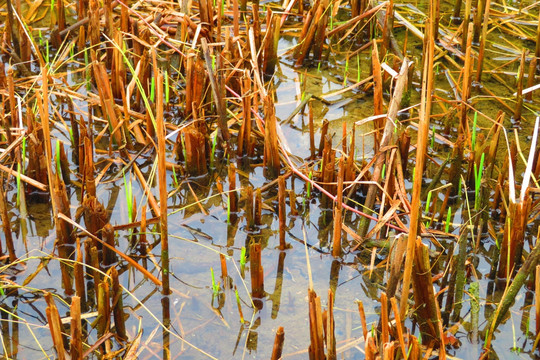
(282, 212)
(75, 344)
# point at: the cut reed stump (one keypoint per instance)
(278, 344)
(427, 310)
(271, 148)
(55, 326)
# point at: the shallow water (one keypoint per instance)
(202, 321)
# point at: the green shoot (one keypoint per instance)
(166, 87)
(58, 166)
(433, 137)
(383, 170)
(215, 287)
(459, 188)
(153, 89)
(428, 202)
(448, 218)
(129, 202)
(309, 184)
(239, 305)
(18, 183)
(228, 208)
(213, 153)
(243, 259)
(478, 182)
(175, 178)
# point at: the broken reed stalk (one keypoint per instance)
(421, 149)
(386, 140)
(118, 306)
(330, 328)
(278, 344)
(217, 93)
(6, 224)
(257, 273)
(427, 310)
(75, 344)
(162, 176)
(271, 148)
(233, 196)
(377, 95)
(282, 212)
(338, 209)
(55, 326)
(316, 346)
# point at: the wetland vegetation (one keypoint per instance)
(321, 179)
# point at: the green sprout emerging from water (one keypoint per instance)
(243, 259)
(129, 194)
(478, 182)
(448, 218)
(215, 286)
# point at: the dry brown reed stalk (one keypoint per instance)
(217, 92)
(465, 26)
(117, 306)
(385, 334)
(257, 215)
(483, 41)
(511, 292)
(195, 150)
(245, 138)
(282, 213)
(336, 239)
(270, 57)
(519, 87)
(328, 170)
(224, 273)
(249, 208)
(377, 95)
(107, 101)
(316, 346)
(79, 277)
(388, 27)
(75, 343)
(466, 87)
(421, 148)
(322, 141)
(6, 224)
(314, 28)
(278, 344)
(477, 20)
(55, 326)
(330, 335)
(427, 311)
(513, 238)
(107, 234)
(162, 176)
(537, 298)
(233, 196)
(103, 308)
(387, 139)
(257, 273)
(456, 12)
(132, 262)
(271, 148)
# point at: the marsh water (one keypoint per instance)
(204, 320)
